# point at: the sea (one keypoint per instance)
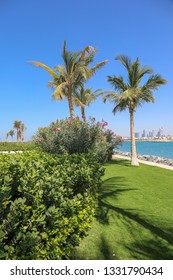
(153, 148)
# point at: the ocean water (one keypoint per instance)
(160, 149)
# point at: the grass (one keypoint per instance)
(135, 215)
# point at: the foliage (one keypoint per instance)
(20, 128)
(85, 96)
(47, 203)
(74, 135)
(10, 133)
(74, 72)
(13, 146)
(131, 94)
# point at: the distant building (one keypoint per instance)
(144, 134)
(137, 135)
(160, 132)
(153, 133)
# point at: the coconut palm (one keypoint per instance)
(17, 126)
(131, 94)
(84, 97)
(22, 129)
(68, 77)
(11, 133)
(7, 135)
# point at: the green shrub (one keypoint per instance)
(14, 146)
(78, 136)
(47, 203)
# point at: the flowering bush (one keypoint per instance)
(78, 136)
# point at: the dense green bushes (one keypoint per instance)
(14, 146)
(78, 136)
(47, 203)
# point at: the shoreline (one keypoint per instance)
(149, 140)
(147, 159)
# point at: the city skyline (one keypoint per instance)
(158, 133)
(26, 36)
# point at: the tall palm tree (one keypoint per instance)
(131, 94)
(22, 129)
(84, 97)
(17, 126)
(68, 77)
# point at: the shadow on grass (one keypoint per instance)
(158, 245)
(106, 250)
(152, 249)
(156, 248)
(111, 188)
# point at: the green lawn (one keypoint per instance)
(135, 215)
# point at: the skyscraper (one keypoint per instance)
(144, 134)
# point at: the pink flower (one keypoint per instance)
(69, 123)
(57, 128)
(87, 133)
(39, 139)
(105, 124)
(83, 116)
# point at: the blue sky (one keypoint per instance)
(35, 30)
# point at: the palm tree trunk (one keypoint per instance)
(71, 107)
(83, 112)
(134, 160)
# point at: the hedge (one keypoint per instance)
(14, 146)
(47, 203)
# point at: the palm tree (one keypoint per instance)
(131, 94)
(7, 135)
(22, 129)
(68, 77)
(17, 126)
(11, 133)
(84, 97)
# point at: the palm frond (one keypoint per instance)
(118, 83)
(45, 67)
(76, 100)
(119, 107)
(87, 55)
(61, 70)
(92, 71)
(110, 97)
(125, 60)
(154, 82)
(60, 92)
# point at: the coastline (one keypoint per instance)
(147, 159)
(149, 140)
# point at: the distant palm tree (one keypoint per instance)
(68, 77)
(131, 94)
(17, 126)
(11, 133)
(7, 135)
(84, 97)
(22, 129)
